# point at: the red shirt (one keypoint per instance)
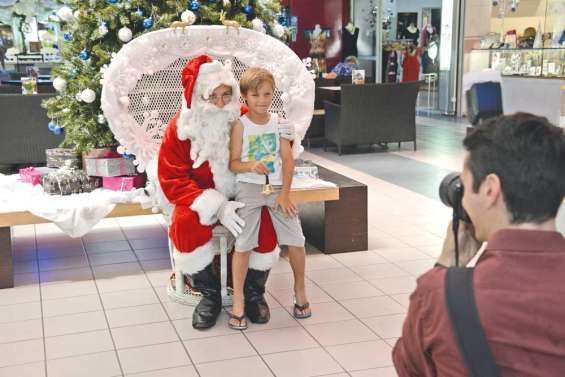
(519, 285)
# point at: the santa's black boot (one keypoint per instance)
(256, 307)
(208, 309)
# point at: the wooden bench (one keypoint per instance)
(10, 219)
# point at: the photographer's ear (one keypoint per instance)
(491, 189)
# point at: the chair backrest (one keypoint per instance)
(484, 100)
(24, 135)
(142, 87)
(382, 111)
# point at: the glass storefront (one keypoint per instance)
(522, 45)
(412, 40)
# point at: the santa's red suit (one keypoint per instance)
(193, 170)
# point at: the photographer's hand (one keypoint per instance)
(468, 246)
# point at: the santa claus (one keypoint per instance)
(194, 176)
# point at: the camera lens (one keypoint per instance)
(448, 189)
(451, 194)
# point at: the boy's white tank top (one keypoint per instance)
(261, 143)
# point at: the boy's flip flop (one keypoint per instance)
(298, 311)
(240, 319)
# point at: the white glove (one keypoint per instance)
(229, 218)
(286, 129)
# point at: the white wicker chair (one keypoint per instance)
(142, 91)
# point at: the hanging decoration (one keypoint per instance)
(103, 29)
(88, 95)
(67, 36)
(194, 5)
(248, 9)
(84, 55)
(188, 16)
(258, 25)
(60, 84)
(125, 34)
(148, 23)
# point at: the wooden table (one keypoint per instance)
(10, 219)
(337, 226)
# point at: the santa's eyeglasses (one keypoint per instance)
(226, 98)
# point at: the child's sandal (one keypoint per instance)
(298, 311)
(241, 320)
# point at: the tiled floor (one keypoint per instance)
(97, 306)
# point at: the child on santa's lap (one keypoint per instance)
(259, 156)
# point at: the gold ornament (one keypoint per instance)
(229, 23)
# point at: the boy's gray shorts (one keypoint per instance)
(288, 229)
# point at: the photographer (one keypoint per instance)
(514, 182)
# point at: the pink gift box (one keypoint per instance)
(33, 175)
(123, 183)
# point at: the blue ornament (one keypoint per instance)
(148, 23)
(58, 130)
(248, 9)
(139, 12)
(84, 55)
(194, 5)
(55, 45)
(112, 1)
(67, 36)
(51, 125)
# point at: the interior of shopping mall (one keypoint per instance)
(254, 188)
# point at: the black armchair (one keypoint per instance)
(371, 114)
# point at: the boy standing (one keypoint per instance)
(259, 157)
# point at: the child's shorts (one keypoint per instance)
(288, 229)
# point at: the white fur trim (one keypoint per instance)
(207, 205)
(264, 261)
(196, 260)
(182, 124)
(213, 66)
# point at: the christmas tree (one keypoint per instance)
(94, 30)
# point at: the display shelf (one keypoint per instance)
(523, 62)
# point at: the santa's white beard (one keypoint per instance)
(209, 129)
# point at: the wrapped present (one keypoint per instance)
(109, 167)
(100, 153)
(34, 175)
(57, 157)
(68, 180)
(123, 183)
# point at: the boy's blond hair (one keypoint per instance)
(253, 77)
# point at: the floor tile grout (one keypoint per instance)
(165, 310)
(105, 315)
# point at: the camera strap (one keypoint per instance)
(462, 309)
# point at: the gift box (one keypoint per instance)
(109, 167)
(34, 175)
(100, 153)
(56, 157)
(68, 180)
(123, 183)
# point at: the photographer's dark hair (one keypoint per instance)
(527, 153)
